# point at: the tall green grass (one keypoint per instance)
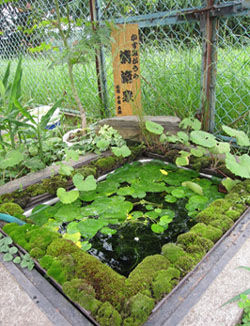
(170, 82)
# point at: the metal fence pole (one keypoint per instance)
(95, 14)
(209, 28)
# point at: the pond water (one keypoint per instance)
(132, 213)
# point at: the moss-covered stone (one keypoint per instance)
(172, 252)
(46, 261)
(185, 264)
(221, 205)
(207, 231)
(141, 277)
(224, 224)
(107, 315)
(85, 171)
(139, 307)
(105, 163)
(80, 291)
(233, 214)
(11, 209)
(37, 253)
(61, 247)
(191, 238)
(109, 285)
(53, 183)
(56, 271)
(162, 282)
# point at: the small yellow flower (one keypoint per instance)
(79, 244)
(129, 217)
(164, 172)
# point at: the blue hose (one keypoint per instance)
(11, 219)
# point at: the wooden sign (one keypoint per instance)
(126, 68)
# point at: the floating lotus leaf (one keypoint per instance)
(68, 213)
(196, 202)
(170, 199)
(156, 228)
(108, 231)
(178, 193)
(67, 197)
(90, 227)
(114, 207)
(89, 184)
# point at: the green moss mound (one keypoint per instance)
(164, 282)
(139, 307)
(11, 209)
(141, 277)
(207, 231)
(108, 316)
(172, 252)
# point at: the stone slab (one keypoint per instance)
(32, 178)
(27, 298)
(17, 308)
(129, 126)
(230, 282)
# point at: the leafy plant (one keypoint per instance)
(71, 53)
(243, 302)
(129, 195)
(204, 143)
(11, 253)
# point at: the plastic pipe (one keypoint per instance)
(11, 219)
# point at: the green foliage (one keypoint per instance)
(243, 302)
(229, 183)
(206, 144)
(11, 253)
(67, 197)
(88, 184)
(154, 128)
(123, 151)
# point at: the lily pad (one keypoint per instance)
(67, 197)
(88, 184)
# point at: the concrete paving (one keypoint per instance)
(230, 282)
(16, 307)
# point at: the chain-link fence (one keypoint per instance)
(177, 49)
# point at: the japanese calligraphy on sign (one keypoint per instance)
(126, 67)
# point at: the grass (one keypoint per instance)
(170, 82)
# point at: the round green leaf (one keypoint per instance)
(156, 228)
(7, 257)
(67, 197)
(203, 138)
(108, 231)
(86, 245)
(13, 250)
(17, 260)
(154, 128)
(178, 193)
(170, 199)
(89, 184)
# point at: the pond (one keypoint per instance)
(132, 213)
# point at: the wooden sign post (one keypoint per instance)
(126, 68)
